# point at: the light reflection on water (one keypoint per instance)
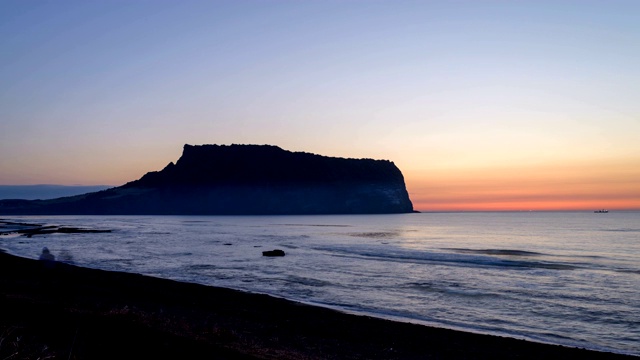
(569, 278)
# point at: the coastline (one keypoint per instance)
(65, 311)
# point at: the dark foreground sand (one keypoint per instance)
(68, 312)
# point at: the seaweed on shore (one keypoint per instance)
(39, 229)
(62, 230)
(7, 222)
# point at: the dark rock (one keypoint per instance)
(43, 230)
(243, 180)
(276, 252)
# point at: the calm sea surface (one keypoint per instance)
(569, 278)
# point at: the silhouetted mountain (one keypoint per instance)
(243, 179)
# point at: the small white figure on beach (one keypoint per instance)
(46, 255)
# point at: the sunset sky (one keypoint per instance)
(483, 105)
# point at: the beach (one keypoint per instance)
(52, 311)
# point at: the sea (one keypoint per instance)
(569, 278)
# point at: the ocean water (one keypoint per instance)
(570, 278)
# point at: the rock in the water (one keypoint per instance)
(276, 252)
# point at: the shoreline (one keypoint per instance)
(64, 311)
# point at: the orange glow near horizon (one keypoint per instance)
(612, 183)
(578, 187)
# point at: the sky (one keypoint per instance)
(483, 105)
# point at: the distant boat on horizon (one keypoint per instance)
(601, 211)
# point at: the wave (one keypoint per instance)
(452, 259)
(376, 235)
(507, 252)
(199, 267)
(314, 225)
(621, 230)
(306, 281)
(450, 288)
(628, 271)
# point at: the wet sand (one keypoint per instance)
(59, 311)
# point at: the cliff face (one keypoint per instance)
(244, 179)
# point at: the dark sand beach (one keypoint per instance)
(67, 312)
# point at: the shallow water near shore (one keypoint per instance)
(570, 278)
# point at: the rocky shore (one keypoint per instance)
(68, 312)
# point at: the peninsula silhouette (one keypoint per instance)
(242, 180)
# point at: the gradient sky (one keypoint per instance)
(484, 105)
